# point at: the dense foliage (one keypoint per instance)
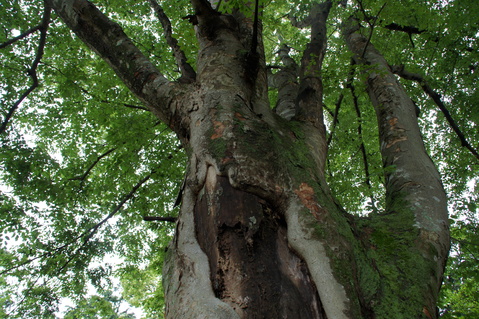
(82, 161)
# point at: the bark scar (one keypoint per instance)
(219, 128)
(307, 196)
(398, 134)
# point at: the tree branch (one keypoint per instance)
(362, 147)
(309, 100)
(408, 29)
(335, 118)
(32, 72)
(91, 232)
(436, 97)
(414, 192)
(371, 25)
(21, 36)
(87, 234)
(188, 74)
(286, 82)
(138, 107)
(108, 40)
(202, 7)
(87, 172)
(161, 219)
(349, 81)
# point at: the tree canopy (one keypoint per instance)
(90, 177)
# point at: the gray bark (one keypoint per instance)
(256, 209)
(413, 183)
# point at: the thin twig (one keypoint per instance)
(362, 147)
(131, 106)
(371, 25)
(85, 91)
(92, 230)
(338, 103)
(87, 234)
(408, 29)
(335, 118)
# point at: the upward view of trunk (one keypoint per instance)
(259, 234)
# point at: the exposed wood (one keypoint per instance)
(252, 267)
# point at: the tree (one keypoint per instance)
(106, 306)
(308, 191)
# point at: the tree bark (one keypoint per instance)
(415, 199)
(259, 234)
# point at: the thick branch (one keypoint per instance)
(109, 41)
(202, 7)
(414, 191)
(309, 101)
(286, 82)
(32, 72)
(188, 75)
(436, 97)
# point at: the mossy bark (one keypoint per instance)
(259, 234)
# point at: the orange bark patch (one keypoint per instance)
(227, 159)
(393, 122)
(219, 128)
(239, 116)
(426, 312)
(307, 197)
(398, 135)
(396, 140)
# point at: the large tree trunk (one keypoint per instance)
(254, 213)
(255, 206)
(259, 234)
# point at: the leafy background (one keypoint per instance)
(82, 161)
